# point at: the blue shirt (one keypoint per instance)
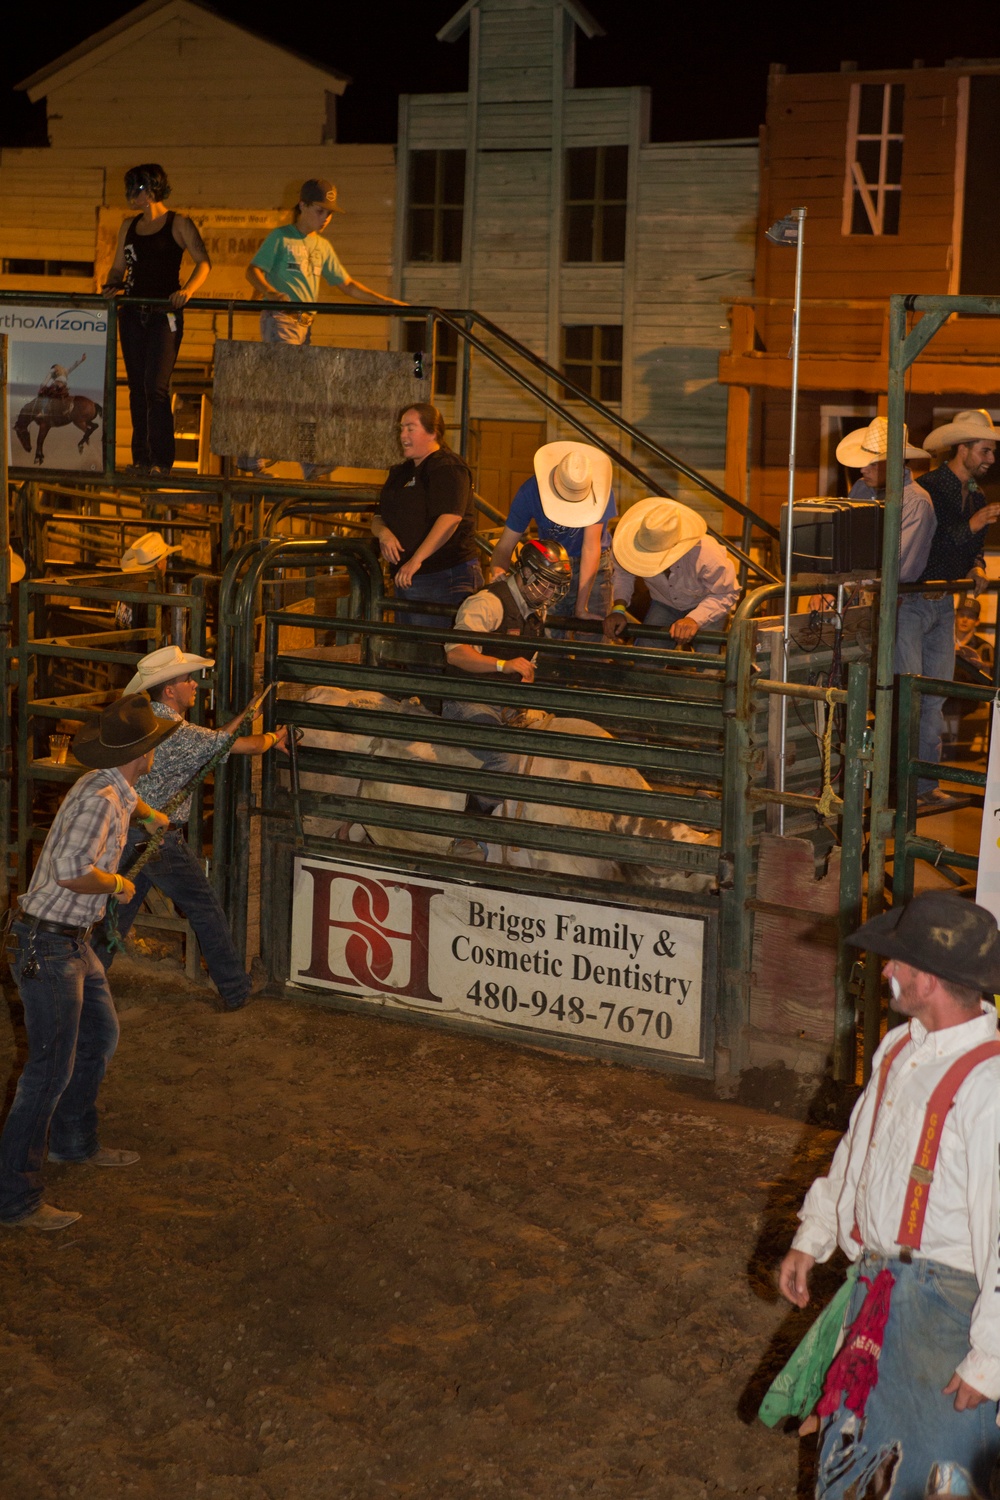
(526, 507)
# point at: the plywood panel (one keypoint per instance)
(311, 405)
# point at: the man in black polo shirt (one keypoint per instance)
(926, 641)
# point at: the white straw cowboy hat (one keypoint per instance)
(144, 554)
(16, 564)
(964, 427)
(653, 534)
(574, 481)
(869, 445)
(163, 666)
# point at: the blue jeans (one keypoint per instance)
(177, 873)
(926, 1338)
(283, 328)
(449, 586)
(925, 647)
(502, 762)
(659, 617)
(72, 1035)
(599, 602)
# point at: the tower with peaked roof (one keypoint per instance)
(547, 208)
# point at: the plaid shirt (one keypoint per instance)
(176, 761)
(956, 548)
(89, 831)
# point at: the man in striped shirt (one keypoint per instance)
(68, 1011)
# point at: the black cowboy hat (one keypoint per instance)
(124, 731)
(941, 934)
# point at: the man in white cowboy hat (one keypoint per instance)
(963, 517)
(69, 1013)
(690, 576)
(865, 449)
(570, 500)
(912, 1197)
(168, 675)
(922, 643)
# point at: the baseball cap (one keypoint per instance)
(320, 190)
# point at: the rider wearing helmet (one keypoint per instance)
(514, 606)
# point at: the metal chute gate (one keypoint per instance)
(687, 735)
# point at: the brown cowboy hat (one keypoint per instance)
(942, 934)
(126, 730)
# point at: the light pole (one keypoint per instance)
(789, 231)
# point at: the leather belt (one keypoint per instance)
(61, 929)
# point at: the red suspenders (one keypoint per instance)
(911, 1225)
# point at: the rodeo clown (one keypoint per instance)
(912, 1197)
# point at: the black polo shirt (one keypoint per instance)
(413, 497)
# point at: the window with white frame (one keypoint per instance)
(874, 159)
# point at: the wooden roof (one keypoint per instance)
(144, 18)
(453, 29)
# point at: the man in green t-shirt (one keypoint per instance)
(289, 267)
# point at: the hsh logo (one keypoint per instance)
(368, 952)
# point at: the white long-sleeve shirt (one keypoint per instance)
(963, 1210)
(702, 583)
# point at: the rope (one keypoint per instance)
(827, 802)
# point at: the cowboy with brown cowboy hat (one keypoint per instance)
(690, 576)
(69, 1013)
(912, 1196)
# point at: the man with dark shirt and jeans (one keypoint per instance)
(926, 643)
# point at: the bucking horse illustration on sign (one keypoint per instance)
(55, 407)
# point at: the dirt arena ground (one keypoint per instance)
(363, 1259)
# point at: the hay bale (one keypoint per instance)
(336, 407)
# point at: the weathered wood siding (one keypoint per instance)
(695, 229)
(804, 162)
(184, 74)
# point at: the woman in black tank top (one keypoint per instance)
(147, 263)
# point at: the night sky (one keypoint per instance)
(706, 64)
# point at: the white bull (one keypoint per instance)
(522, 809)
(628, 825)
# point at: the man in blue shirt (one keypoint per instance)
(571, 502)
(956, 552)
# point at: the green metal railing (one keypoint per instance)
(231, 490)
(746, 796)
(905, 346)
(909, 846)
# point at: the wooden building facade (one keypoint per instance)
(894, 170)
(238, 122)
(547, 208)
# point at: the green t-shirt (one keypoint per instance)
(294, 263)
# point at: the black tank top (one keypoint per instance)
(152, 261)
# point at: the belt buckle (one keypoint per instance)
(906, 1255)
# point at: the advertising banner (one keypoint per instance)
(568, 968)
(988, 880)
(55, 393)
